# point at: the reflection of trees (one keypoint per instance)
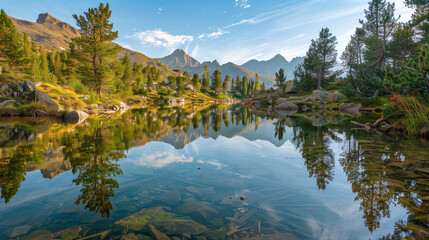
(370, 189)
(313, 142)
(384, 172)
(13, 163)
(280, 128)
(216, 121)
(94, 158)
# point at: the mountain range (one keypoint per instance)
(53, 33)
(270, 67)
(179, 59)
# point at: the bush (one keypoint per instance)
(413, 115)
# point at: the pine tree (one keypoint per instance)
(326, 55)
(281, 80)
(206, 79)
(127, 77)
(217, 80)
(226, 82)
(11, 43)
(179, 83)
(238, 83)
(263, 87)
(244, 85)
(93, 48)
(149, 82)
(232, 84)
(379, 24)
(196, 81)
(44, 66)
(257, 84)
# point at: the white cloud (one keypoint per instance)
(159, 11)
(213, 35)
(159, 38)
(242, 3)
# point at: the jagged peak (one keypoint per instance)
(47, 18)
(179, 51)
(279, 57)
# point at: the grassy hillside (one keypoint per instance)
(53, 33)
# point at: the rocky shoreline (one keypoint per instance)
(24, 99)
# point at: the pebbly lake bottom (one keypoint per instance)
(210, 173)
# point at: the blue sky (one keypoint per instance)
(226, 30)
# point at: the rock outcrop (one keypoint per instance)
(287, 106)
(75, 117)
(350, 108)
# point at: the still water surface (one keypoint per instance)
(210, 173)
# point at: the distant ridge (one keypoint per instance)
(180, 59)
(271, 66)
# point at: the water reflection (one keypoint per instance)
(381, 172)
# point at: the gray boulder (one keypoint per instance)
(350, 108)
(287, 106)
(318, 96)
(280, 101)
(334, 98)
(75, 117)
(291, 87)
(29, 86)
(4, 87)
(44, 99)
(260, 94)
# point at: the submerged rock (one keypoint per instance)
(156, 234)
(70, 233)
(21, 230)
(169, 223)
(39, 235)
(169, 198)
(180, 227)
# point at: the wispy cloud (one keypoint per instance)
(195, 51)
(242, 3)
(159, 11)
(213, 35)
(159, 38)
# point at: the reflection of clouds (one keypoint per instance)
(215, 163)
(161, 159)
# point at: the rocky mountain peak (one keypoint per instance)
(47, 18)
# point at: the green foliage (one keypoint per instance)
(413, 77)
(206, 80)
(196, 82)
(226, 82)
(316, 70)
(362, 86)
(217, 80)
(96, 33)
(257, 84)
(180, 84)
(281, 79)
(11, 43)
